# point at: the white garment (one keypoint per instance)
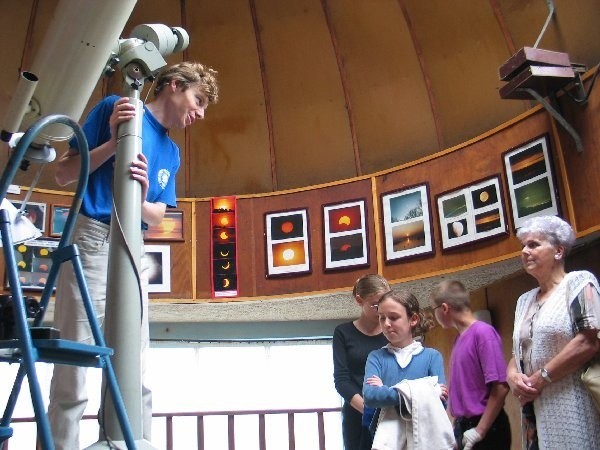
(404, 355)
(426, 428)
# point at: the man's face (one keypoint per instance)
(188, 106)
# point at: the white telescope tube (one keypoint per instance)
(19, 104)
(73, 57)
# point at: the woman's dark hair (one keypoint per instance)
(370, 284)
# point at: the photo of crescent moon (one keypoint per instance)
(225, 282)
(223, 253)
(226, 266)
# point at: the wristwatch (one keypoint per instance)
(545, 375)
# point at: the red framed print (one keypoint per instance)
(345, 235)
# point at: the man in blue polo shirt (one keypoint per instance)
(182, 94)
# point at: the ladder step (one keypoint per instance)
(59, 351)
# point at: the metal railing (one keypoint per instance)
(231, 415)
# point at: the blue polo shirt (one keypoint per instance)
(162, 154)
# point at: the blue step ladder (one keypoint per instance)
(29, 346)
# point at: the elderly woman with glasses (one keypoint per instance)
(554, 338)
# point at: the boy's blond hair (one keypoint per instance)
(190, 74)
(453, 293)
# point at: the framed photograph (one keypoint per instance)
(407, 223)
(34, 259)
(345, 235)
(170, 229)
(471, 213)
(287, 243)
(35, 212)
(58, 219)
(158, 257)
(530, 181)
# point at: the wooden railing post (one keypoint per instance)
(291, 432)
(169, 432)
(262, 440)
(200, 432)
(321, 426)
(231, 431)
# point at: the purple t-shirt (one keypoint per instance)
(477, 360)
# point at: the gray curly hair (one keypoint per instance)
(554, 229)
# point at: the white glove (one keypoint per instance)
(470, 438)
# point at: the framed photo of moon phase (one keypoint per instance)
(345, 235)
(287, 243)
(407, 223)
(471, 213)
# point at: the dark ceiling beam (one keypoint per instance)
(510, 44)
(508, 39)
(345, 88)
(266, 93)
(428, 85)
(25, 56)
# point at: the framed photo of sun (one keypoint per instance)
(471, 213)
(287, 243)
(170, 229)
(530, 181)
(345, 235)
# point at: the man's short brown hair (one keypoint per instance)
(190, 74)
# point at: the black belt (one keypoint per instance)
(468, 422)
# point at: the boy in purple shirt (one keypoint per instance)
(477, 373)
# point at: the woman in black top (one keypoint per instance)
(352, 342)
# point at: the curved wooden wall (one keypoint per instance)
(314, 91)
(575, 175)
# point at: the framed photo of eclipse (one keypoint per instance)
(530, 181)
(407, 223)
(471, 213)
(34, 259)
(287, 242)
(345, 235)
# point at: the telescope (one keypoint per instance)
(81, 46)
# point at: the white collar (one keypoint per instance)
(404, 355)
